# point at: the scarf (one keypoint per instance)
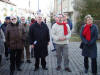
(87, 32)
(65, 27)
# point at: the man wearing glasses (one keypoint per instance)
(14, 40)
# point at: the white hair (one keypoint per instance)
(88, 16)
(12, 17)
(39, 15)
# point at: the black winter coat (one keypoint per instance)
(40, 35)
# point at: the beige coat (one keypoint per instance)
(58, 32)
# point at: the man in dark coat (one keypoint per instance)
(39, 39)
(14, 39)
(4, 26)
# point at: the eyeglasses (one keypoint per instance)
(13, 19)
(23, 19)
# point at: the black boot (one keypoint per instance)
(19, 69)
(94, 74)
(36, 68)
(28, 61)
(45, 68)
(11, 72)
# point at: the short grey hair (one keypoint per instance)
(59, 15)
(88, 16)
(39, 15)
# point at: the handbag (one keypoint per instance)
(81, 45)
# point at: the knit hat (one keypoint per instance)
(12, 17)
(7, 18)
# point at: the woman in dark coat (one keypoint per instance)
(39, 38)
(89, 36)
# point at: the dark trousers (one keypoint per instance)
(43, 62)
(93, 64)
(32, 52)
(15, 59)
(6, 50)
(27, 53)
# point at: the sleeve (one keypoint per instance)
(2, 27)
(69, 32)
(7, 36)
(48, 36)
(53, 33)
(23, 33)
(93, 40)
(31, 35)
(82, 38)
(3, 36)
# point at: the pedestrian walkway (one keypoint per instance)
(76, 64)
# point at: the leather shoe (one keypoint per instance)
(45, 68)
(58, 68)
(67, 69)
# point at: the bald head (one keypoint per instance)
(39, 18)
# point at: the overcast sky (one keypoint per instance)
(44, 5)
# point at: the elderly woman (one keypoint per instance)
(89, 36)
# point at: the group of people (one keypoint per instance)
(20, 35)
(14, 40)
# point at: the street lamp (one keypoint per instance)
(61, 6)
(29, 4)
(38, 5)
(29, 8)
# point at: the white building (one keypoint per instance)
(6, 9)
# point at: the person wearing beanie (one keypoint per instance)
(3, 27)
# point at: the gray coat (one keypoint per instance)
(2, 40)
(90, 47)
(25, 29)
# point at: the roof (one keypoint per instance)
(8, 2)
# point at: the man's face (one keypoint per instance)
(22, 20)
(7, 21)
(14, 20)
(60, 18)
(39, 19)
(56, 19)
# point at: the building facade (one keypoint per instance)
(8, 8)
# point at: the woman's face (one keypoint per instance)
(89, 21)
